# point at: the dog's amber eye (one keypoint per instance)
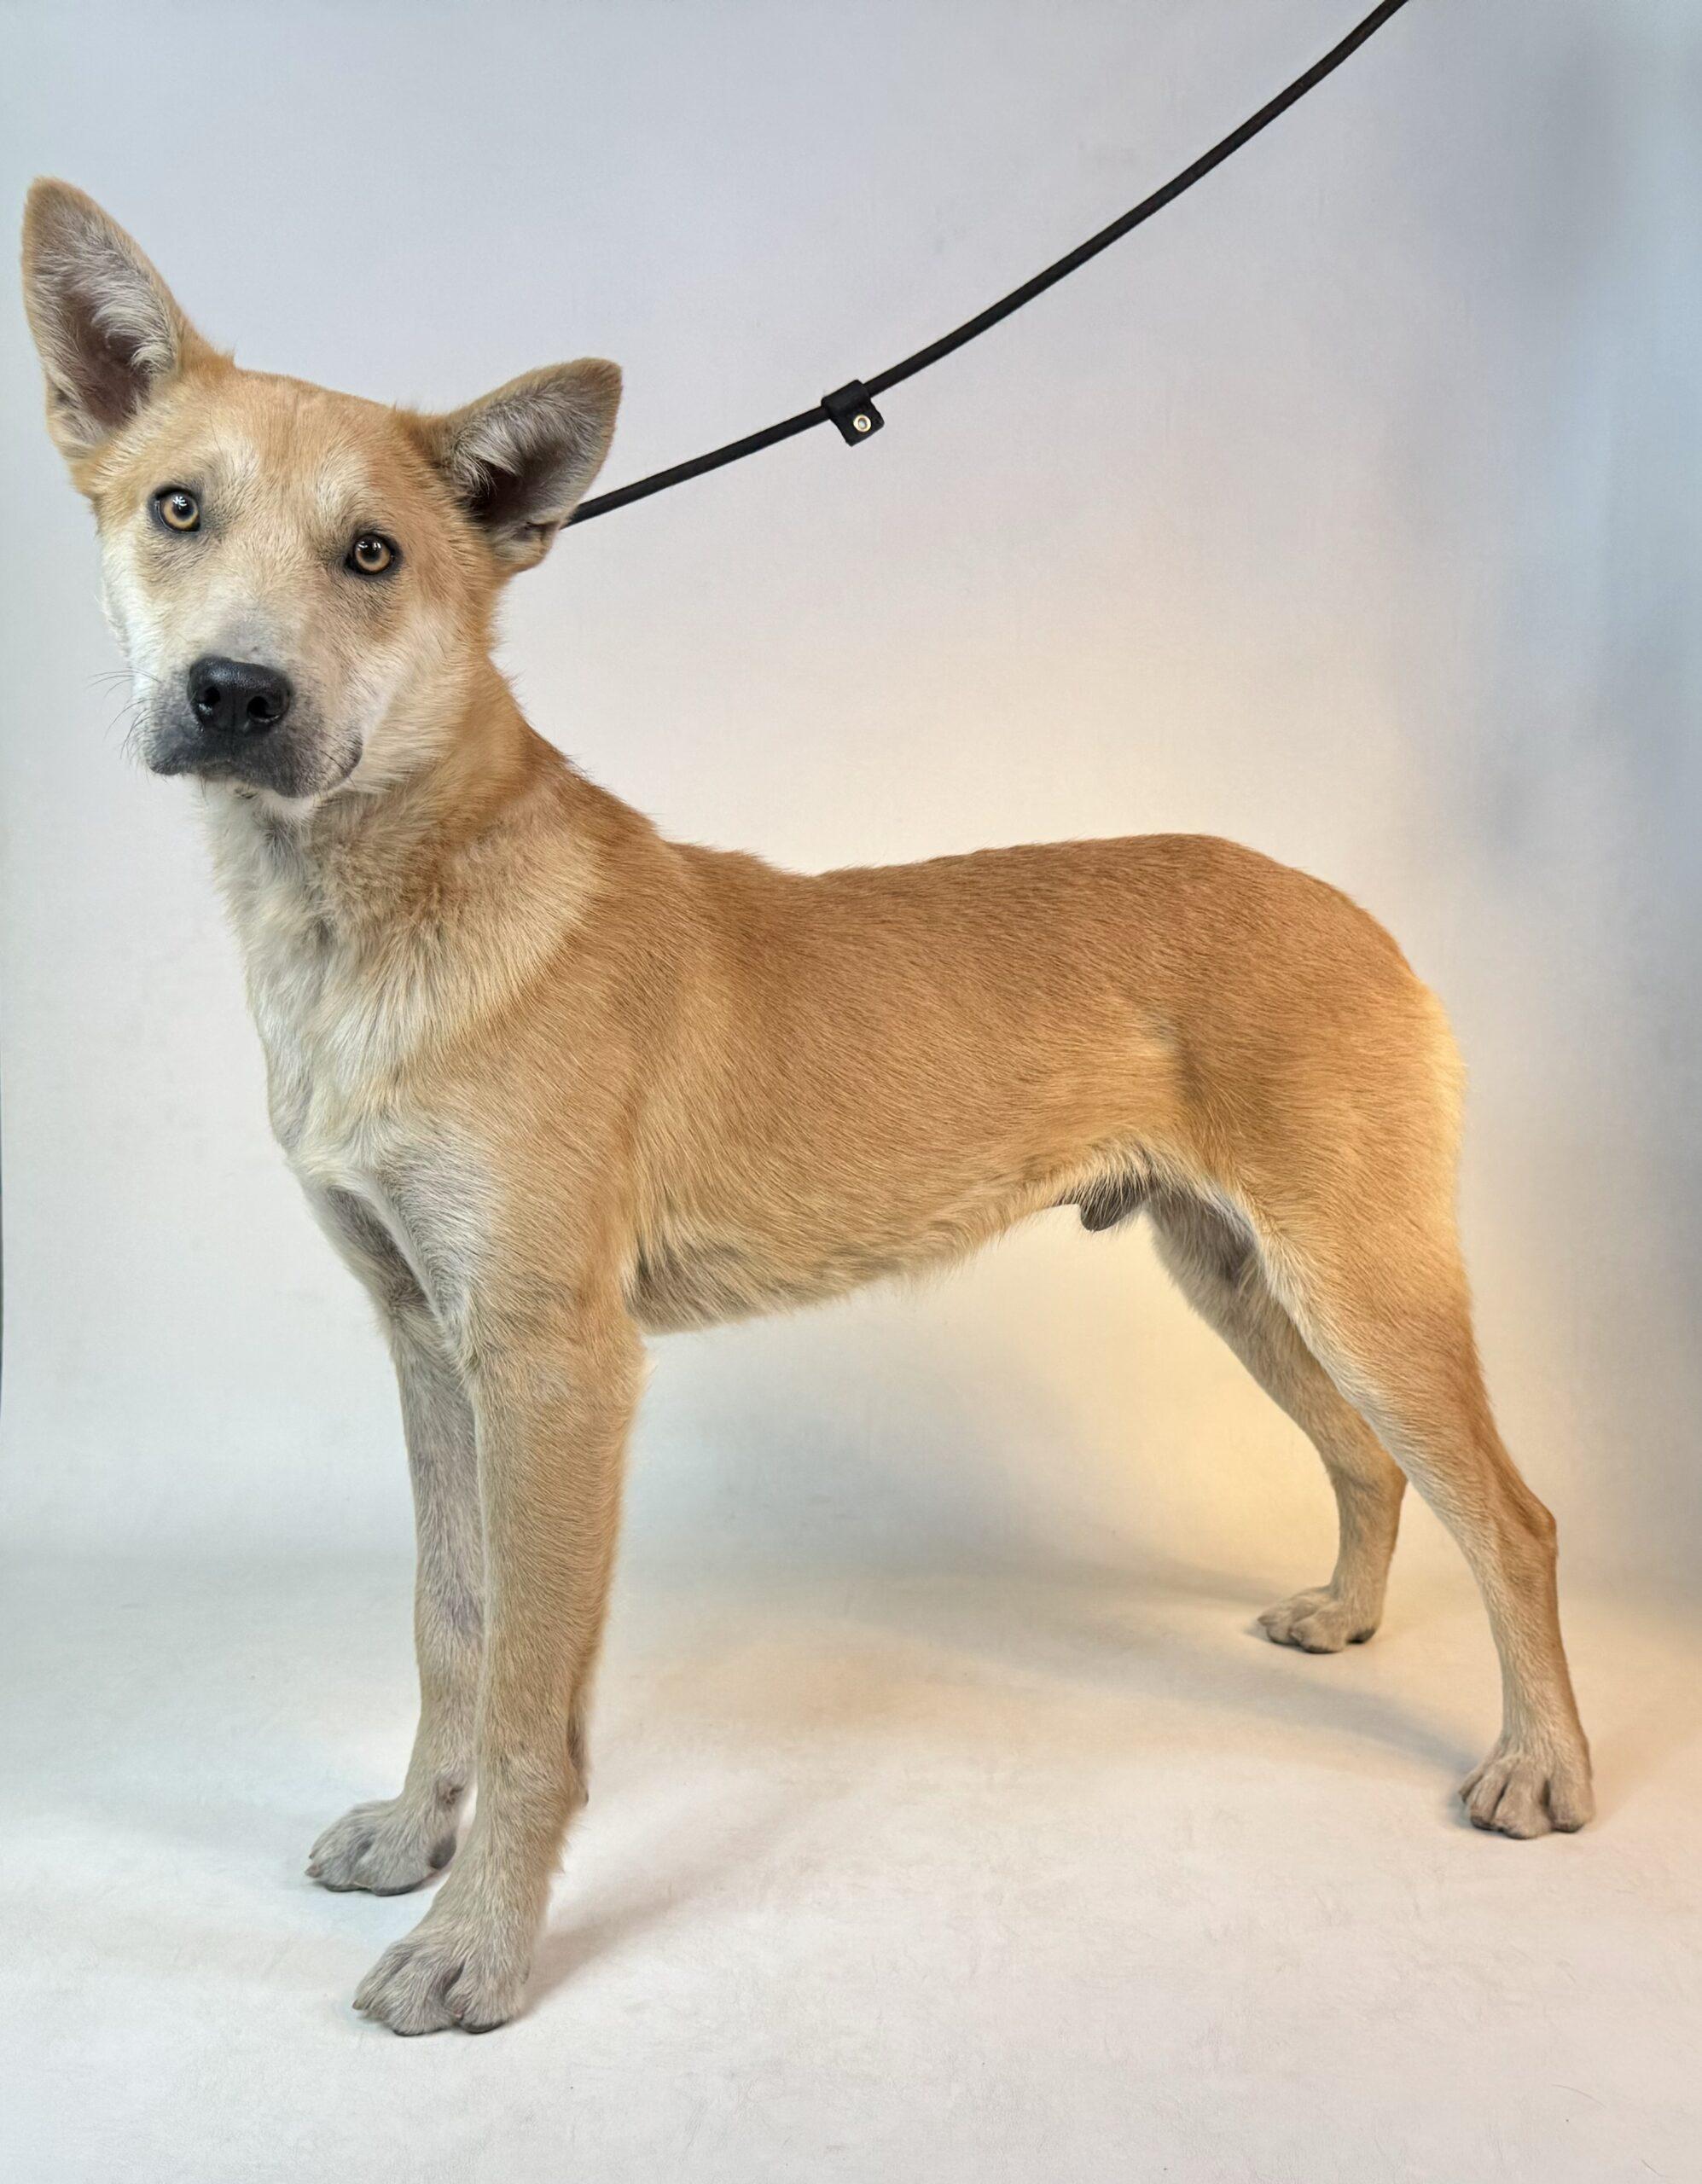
(178, 508)
(371, 554)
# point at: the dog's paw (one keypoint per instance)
(448, 1973)
(387, 1847)
(1522, 1792)
(1317, 1622)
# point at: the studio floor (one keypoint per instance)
(1050, 1875)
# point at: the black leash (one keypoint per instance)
(852, 407)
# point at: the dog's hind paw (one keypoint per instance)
(387, 1847)
(1317, 1622)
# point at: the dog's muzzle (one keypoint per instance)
(240, 720)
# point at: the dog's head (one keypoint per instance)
(302, 582)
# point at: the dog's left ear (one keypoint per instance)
(520, 460)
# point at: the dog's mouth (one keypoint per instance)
(298, 761)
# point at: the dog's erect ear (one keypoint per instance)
(109, 332)
(520, 459)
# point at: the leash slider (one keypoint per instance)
(853, 411)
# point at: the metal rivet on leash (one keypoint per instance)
(852, 407)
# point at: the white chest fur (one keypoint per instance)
(341, 1020)
(349, 1008)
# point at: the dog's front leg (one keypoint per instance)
(396, 1843)
(553, 1391)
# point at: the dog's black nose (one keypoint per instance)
(238, 696)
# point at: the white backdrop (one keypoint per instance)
(950, 1814)
(1349, 510)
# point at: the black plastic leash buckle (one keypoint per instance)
(853, 411)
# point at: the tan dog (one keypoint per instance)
(552, 1082)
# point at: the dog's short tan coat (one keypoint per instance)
(551, 1082)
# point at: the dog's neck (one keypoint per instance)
(486, 851)
(368, 856)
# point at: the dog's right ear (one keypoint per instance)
(108, 329)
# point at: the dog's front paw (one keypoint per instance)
(450, 1972)
(1317, 1622)
(387, 1847)
(1524, 1792)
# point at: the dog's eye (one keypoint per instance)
(371, 554)
(178, 508)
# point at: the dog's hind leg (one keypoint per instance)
(1217, 1268)
(1384, 1306)
(1351, 1201)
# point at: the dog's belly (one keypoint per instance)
(702, 1283)
(676, 1284)
(675, 1287)
(695, 1276)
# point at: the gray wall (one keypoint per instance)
(1350, 509)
